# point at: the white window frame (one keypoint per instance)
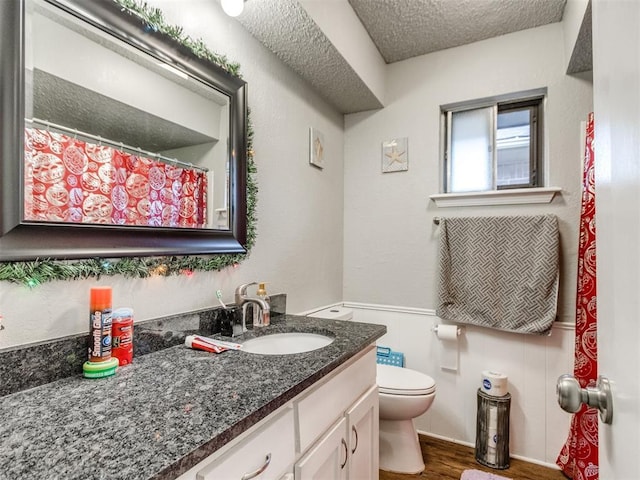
(494, 102)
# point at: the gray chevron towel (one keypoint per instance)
(500, 272)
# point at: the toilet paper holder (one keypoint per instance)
(434, 329)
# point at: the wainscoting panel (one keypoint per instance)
(538, 427)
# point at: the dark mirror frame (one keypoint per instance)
(20, 240)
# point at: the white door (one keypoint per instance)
(616, 71)
(363, 431)
(327, 460)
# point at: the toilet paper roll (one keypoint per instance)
(494, 383)
(493, 417)
(492, 434)
(447, 332)
(448, 336)
(493, 438)
(491, 455)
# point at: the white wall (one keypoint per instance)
(300, 209)
(390, 240)
(538, 427)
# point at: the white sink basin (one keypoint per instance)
(286, 343)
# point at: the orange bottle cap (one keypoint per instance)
(101, 296)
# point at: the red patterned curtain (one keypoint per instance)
(578, 458)
(69, 180)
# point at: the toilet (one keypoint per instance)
(404, 395)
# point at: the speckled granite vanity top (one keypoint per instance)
(161, 415)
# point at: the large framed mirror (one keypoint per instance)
(116, 140)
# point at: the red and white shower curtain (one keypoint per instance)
(578, 458)
(69, 180)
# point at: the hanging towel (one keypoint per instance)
(499, 272)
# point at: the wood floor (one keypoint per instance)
(446, 461)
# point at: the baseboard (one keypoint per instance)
(553, 466)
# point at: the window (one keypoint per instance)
(493, 144)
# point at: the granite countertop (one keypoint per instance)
(164, 413)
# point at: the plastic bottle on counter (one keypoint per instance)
(122, 335)
(260, 317)
(100, 363)
(100, 318)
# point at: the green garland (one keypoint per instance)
(39, 271)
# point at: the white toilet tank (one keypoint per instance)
(334, 313)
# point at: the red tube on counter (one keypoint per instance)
(210, 344)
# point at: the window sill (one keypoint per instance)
(496, 197)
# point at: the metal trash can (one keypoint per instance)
(492, 430)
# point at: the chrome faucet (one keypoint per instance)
(242, 300)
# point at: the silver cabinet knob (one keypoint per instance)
(571, 396)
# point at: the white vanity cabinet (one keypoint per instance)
(346, 408)
(349, 450)
(328, 432)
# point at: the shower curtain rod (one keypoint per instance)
(113, 143)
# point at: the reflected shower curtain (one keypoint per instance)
(578, 458)
(70, 180)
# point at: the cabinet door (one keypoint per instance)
(327, 460)
(327, 403)
(362, 425)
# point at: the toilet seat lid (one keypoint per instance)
(403, 381)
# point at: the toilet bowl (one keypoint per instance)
(404, 395)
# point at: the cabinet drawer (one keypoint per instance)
(327, 402)
(276, 439)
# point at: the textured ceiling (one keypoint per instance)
(582, 56)
(400, 29)
(286, 29)
(403, 29)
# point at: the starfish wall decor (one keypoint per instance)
(395, 155)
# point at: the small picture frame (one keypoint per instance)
(395, 155)
(316, 148)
